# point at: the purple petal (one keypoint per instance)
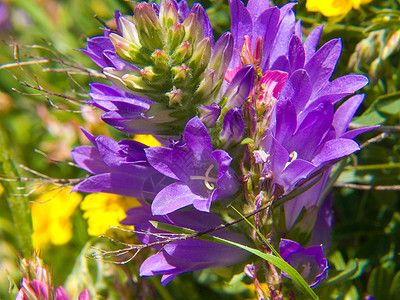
(342, 87)
(298, 88)
(288, 247)
(286, 122)
(197, 138)
(355, 132)
(256, 7)
(241, 24)
(266, 26)
(335, 149)
(284, 34)
(311, 43)
(345, 113)
(172, 198)
(89, 159)
(296, 54)
(173, 163)
(320, 67)
(311, 131)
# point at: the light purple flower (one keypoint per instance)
(202, 174)
(309, 262)
(183, 256)
(118, 167)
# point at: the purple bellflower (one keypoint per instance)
(183, 256)
(202, 174)
(303, 131)
(172, 177)
(118, 167)
(309, 262)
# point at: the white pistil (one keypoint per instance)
(293, 157)
(207, 179)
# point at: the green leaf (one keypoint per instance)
(259, 234)
(246, 141)
(395, 287)
(236, 279)
(276, 261)
(341, 276)
(375, 113)
(383, 25)
(379, 282)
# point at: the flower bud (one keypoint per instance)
(201, 57)
(222, 54)
(121, 45)
(160, 60)
(233, 127)
(208, 85)
(240, 87)
(183, 53)
(128, 30)
(148, 27)
(175, 97)
(168, 13)
(181, 75)
(175, 36)
(209, 114)
(193, 29)
(148, 74)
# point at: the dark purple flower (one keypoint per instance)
(118, 167)
(183, 256)
(309, 262)
(202, 174)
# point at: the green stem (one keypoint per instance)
(18, 204)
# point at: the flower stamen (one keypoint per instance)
(293, 157)
(207, 179)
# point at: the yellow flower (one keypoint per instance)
(104, 210)
(147, 139)
(330, 8)
(51, 217)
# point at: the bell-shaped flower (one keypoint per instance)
(202, 175)
(183, 256)
(118, 167)
(309, 262)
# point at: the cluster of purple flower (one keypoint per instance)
(227, 117)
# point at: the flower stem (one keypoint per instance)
(18, 204)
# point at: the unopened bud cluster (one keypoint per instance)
(177, 65)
